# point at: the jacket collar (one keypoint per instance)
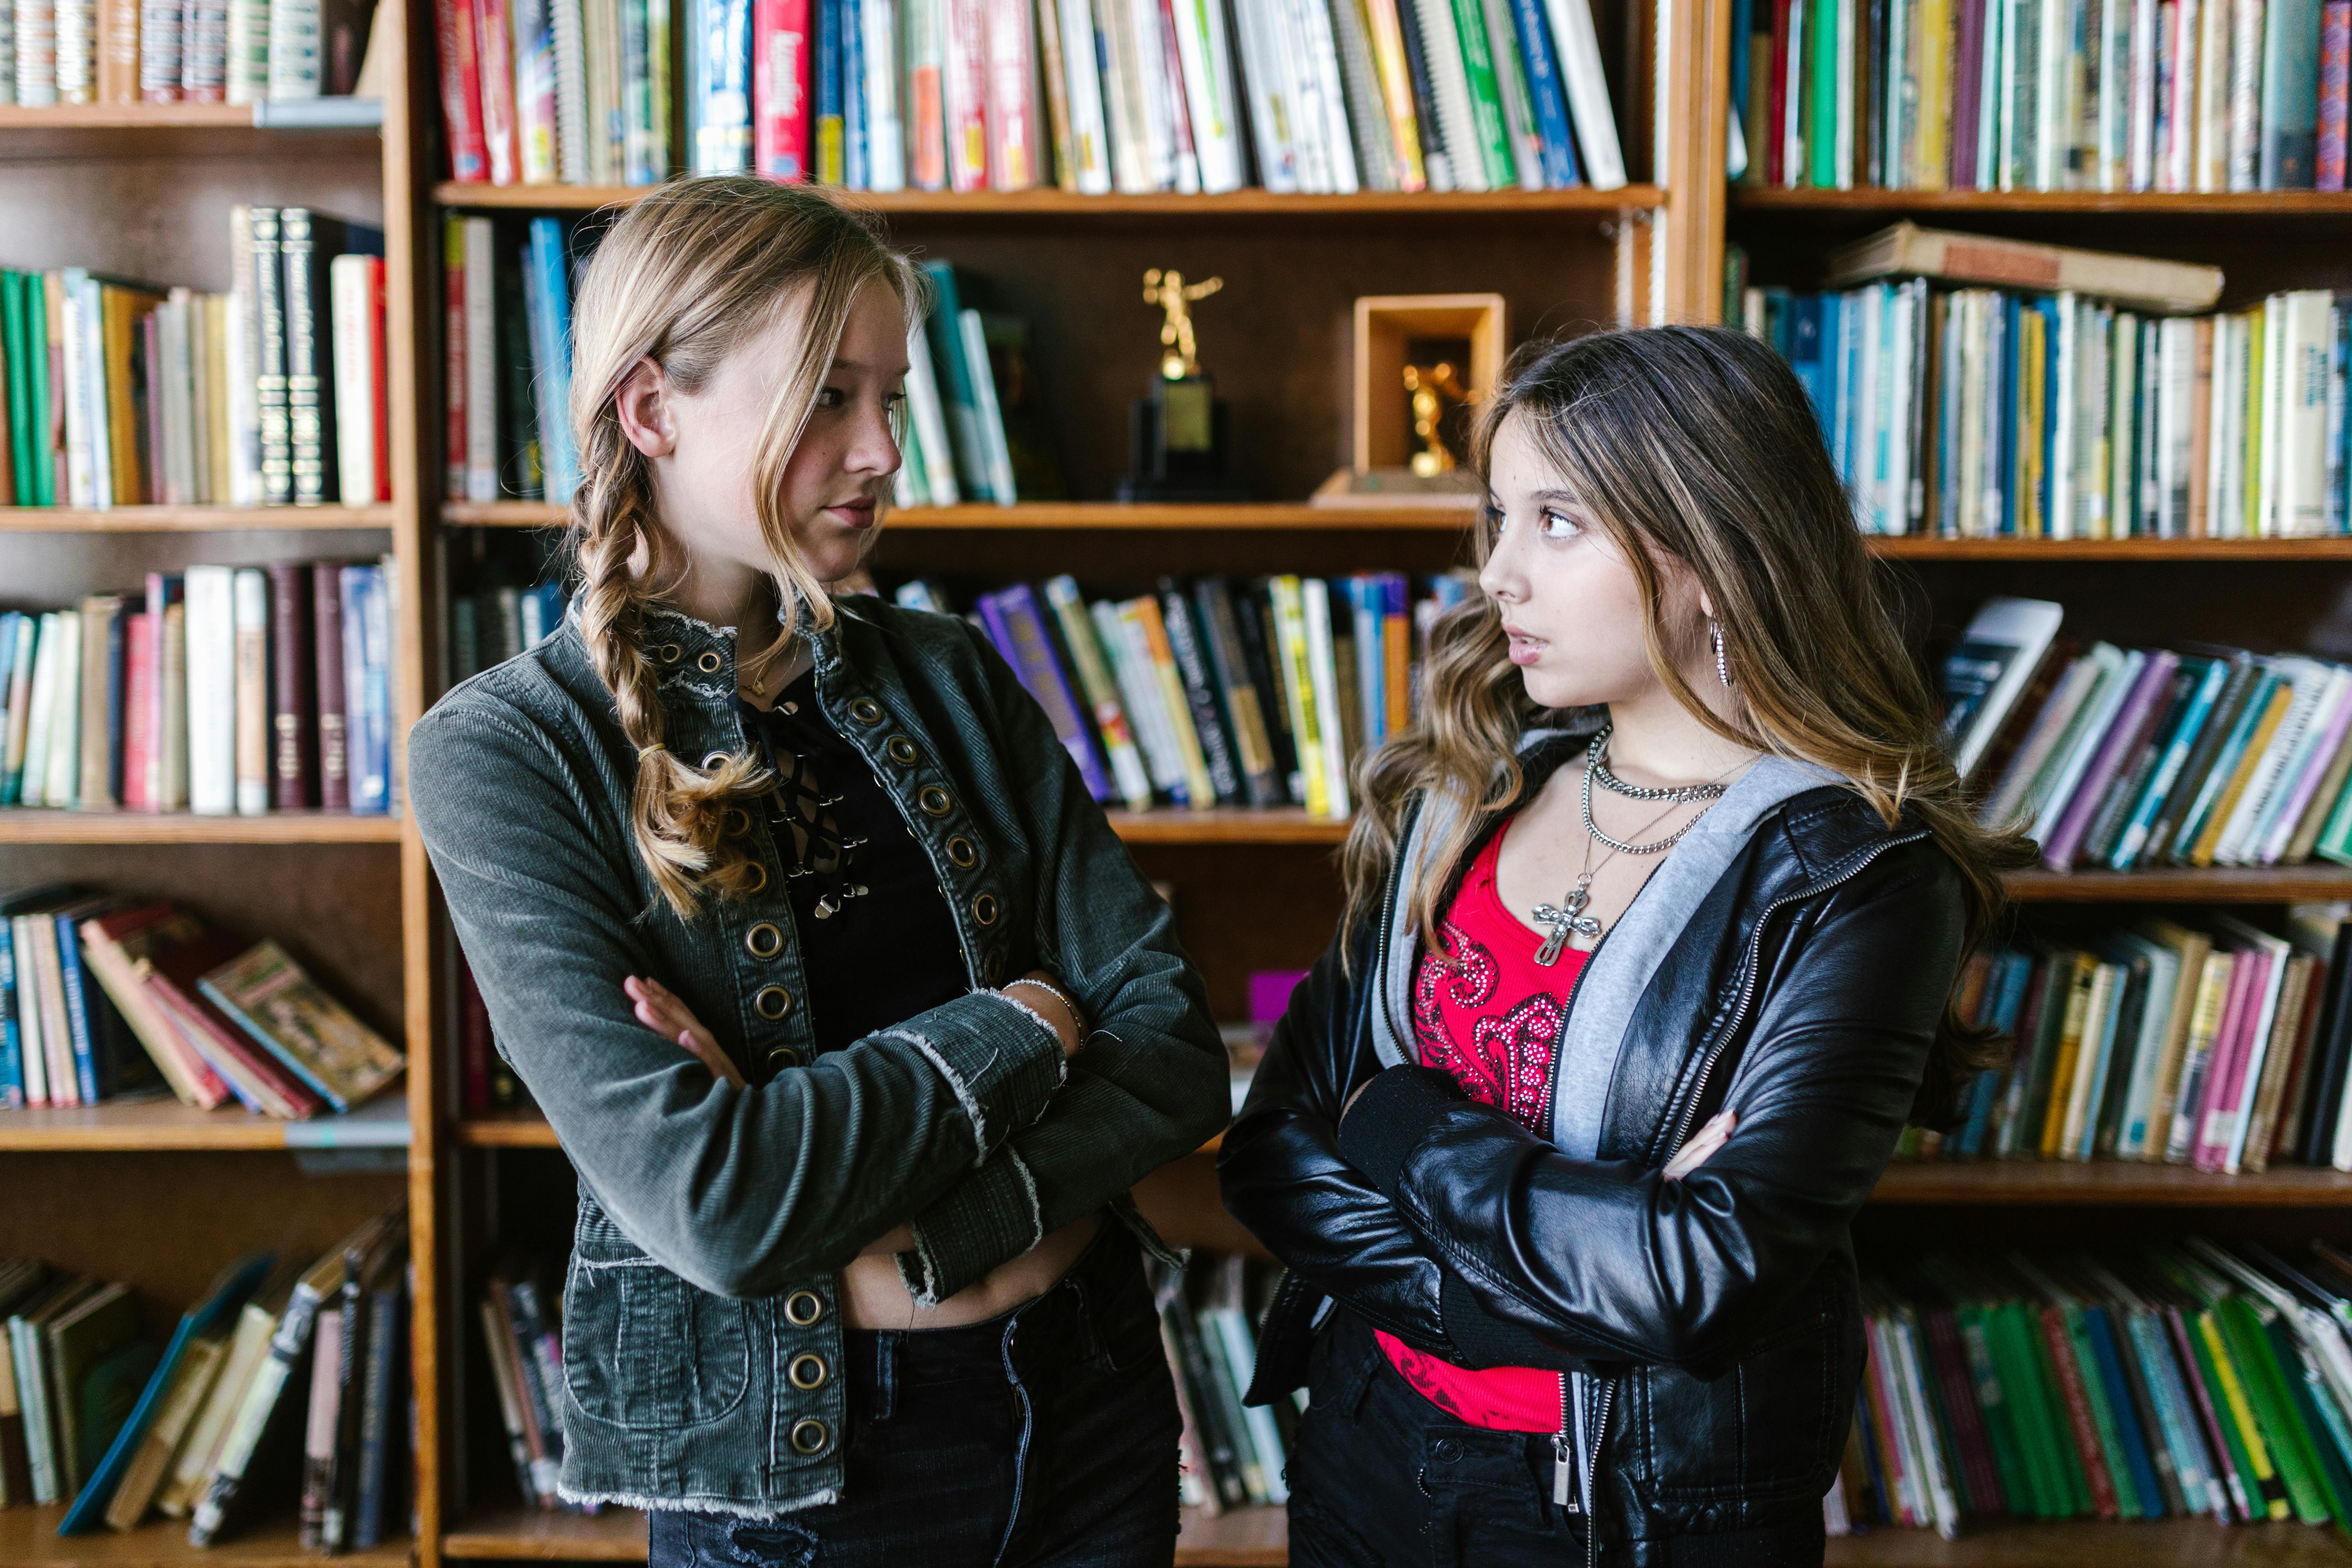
(1822, 822)
(696, 660)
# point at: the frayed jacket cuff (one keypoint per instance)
(988, 1219)
(1001, 1060)
(1393, 1113)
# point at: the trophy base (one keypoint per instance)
(1190, 468)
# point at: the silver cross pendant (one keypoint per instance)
(1565, 922)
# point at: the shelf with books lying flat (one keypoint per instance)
(2148, 203)
(35, 825)
(189, 519)
(2098, 1183)
(30, 1539)
(1050, 203)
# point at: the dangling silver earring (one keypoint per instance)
(1722, 665)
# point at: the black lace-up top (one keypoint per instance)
(878, 938)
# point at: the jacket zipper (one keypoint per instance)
(1748, 983)
(1592, 1473)
(1563, 1454)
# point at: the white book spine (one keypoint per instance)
(481, 363)
(886, 141)
(2180, 434)
(41, 710)
(212, 691)
(2063, 372)
(81, 360)
(63, 786)
(1450, 82)
(1149, 89)
(1338, 140)
(1208, 91)
(37, 53)
(2123, 382)
(250, 606)
(167, 758)
(239, 357)
(2302, 426)
(347, 284)
(1089, 133)
(1302, 90)
(293, 49)
(1277, 161)
(563, 29)
(76, 68)
(2210, 76)
(2245, 90)
(1842, 135)
(2265, 520)
(1578, 48)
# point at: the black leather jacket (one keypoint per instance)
(1719, 1315)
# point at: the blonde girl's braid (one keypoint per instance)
(683, 279)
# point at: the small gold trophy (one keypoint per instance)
(1435, 390)
(1177, 436)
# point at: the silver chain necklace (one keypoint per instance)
(1679, 793)
(1569, 918)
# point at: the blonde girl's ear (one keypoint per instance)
(642, 403)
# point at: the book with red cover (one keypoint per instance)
(1962, 1417)
(253, 1073)
(474, 1046)
(293, 699)
(378, 384)
(120, 948)
(779, 90)
(494, 59)
(327, 633)
(964, 87)
(1776, 144)
(2059, 1344)
(1013, 161)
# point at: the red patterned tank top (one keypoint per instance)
(1491, 1016)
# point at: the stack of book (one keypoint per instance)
(2168, 1380)
(523, 1333)
(2094, 412)
(964, 95)
(2042, 95)
(95, 988)
(220, 690)
(207, 51)
(1218, 692)
(974, 425)
(272, 395)
(2133, 758)
(1233, 1455)
(2207, 1043)
(98, 1418)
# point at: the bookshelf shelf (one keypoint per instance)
(2148, 204)
(2089, 1544)
(2103, 1182)
(1090, 515)
(615, 1535)
(163, 1124)
(1907, 548)
(2219, 885)
(505, 1130)
(191, 519)
(1057, 203)
(30, 1539)
(20, 825)
(1226, 826)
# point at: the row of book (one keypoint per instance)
(1233, 1455)
(2042, 95)
(286, 1366)
(219, 691)
(2168, 1380)
(173, 51)
(1982, 412)
(101, 993)
(2129, 758)
(274, 394)
(1219, 691)
(974, 429)
(2207, 1043)
(1318, 96)
(523, 1331)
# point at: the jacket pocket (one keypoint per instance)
(1764, 1430)
(642, 1347)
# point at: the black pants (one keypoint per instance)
(1381, 1478)
(1043, 1438)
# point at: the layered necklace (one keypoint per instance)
(1568, 918)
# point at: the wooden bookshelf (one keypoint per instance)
(30, 1539)
(2317, 882)
(528, 1534)
(189, 519)
(2148, 203)
(2104, 1182)
(37, 825)
(1048, 204)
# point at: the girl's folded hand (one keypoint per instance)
(659, 1009)
(1703, 1142)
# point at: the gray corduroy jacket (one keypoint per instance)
(702, 1330)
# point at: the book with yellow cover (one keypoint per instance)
(286, 1012)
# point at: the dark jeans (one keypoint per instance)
(1381, 1476)
(1043, 1438)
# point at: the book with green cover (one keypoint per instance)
(2047, 1429)
(2273, 1407)
(2267, 1489)
(2311, 1406)
(1486, 96)
(1825, 46)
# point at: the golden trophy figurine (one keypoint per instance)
(1169, 290)
(1435, 390)
(1177, 438)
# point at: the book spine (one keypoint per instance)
(377, 1416)
(494, 53)
(251, 691)
(328, 683)
(294, 740)
(269, 366)
(310, 389)
(1200, 696)
(1012, 110)
(454, 30)
(1018, 628)
(964, 81)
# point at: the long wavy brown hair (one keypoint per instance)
(683, 278)
(1698, 443)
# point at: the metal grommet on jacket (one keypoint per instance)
(810, 1437)
(709, 662)
(985, 908)
(758, 874)
(866, 711)
(772, 1002)
(764, 940)
(935, 801)
(737, 822)
(902, 751)
(669, 652)
(712, 759)
(782, 1059)
(803, 1308)
(808, 1371)
(960, 853)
